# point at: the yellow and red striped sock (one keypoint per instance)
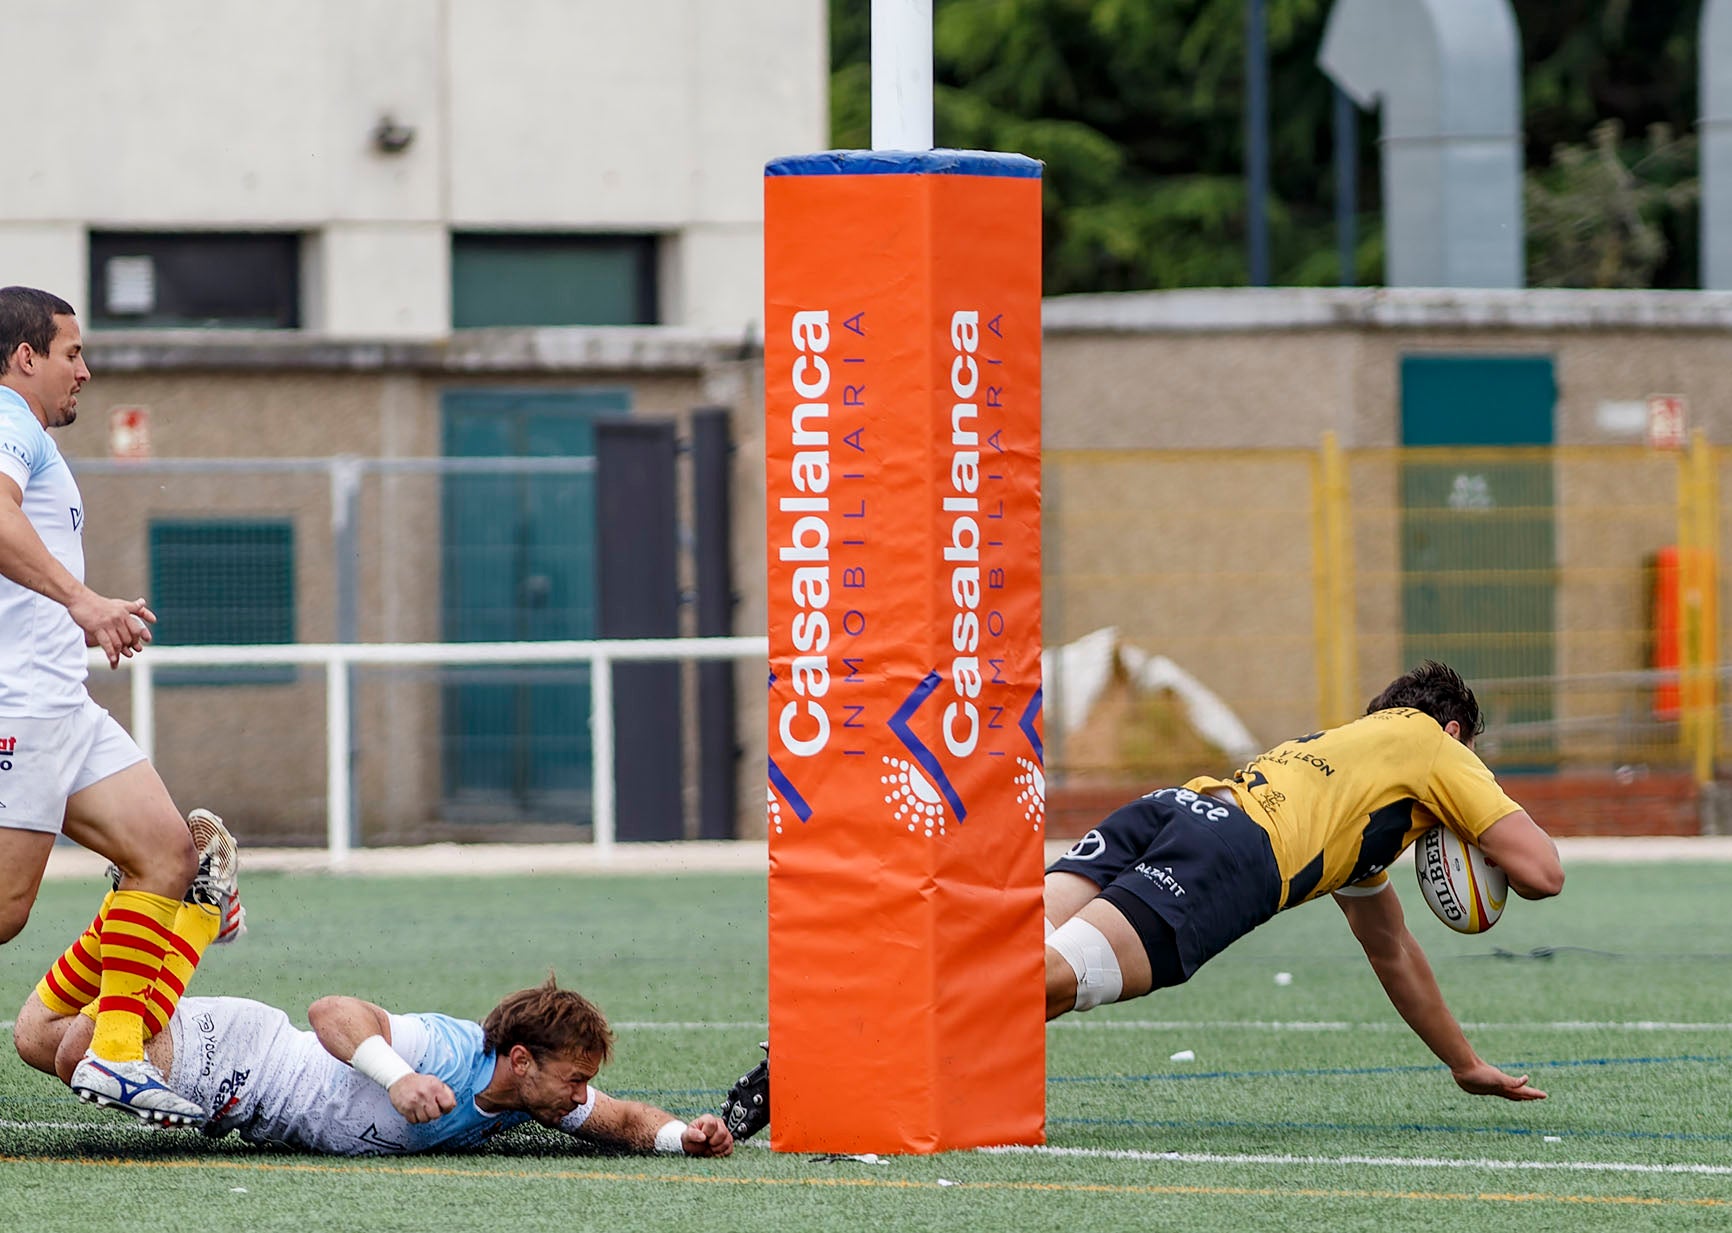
(195, 928)
(137, 932)
(72, 983)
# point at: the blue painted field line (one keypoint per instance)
(1694, 1059)
(1321, 1072)
(1520, 1132)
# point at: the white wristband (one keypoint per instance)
(670, 1139)
(376, 1059)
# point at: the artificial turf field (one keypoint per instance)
(1308, 1105)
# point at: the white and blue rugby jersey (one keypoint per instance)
(42, 653)
(260, 1077)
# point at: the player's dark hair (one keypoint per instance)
(1438, 691)
(548, 1021)
(27, 316)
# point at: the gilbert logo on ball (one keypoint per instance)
(1465, 890)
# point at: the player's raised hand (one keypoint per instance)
(119, 627)
(1484, 1079)
(707, 1135)
(422, 1098)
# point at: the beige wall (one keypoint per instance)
(1208, 556)
(256, 753)
(562, 115)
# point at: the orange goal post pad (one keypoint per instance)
(906, 791)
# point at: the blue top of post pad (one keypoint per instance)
(905, 163)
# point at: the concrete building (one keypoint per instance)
(1185, 485)
(385, 169)
(442, 229)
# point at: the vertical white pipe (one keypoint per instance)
(601, 750)
(901, 74)
(144, 706)
(337, 819)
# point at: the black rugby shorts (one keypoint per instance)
(1192, 874)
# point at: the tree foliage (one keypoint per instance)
(1596, 218)
(1137, 109)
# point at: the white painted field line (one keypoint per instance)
(1196, 1025)
(1376, 1162)
(8, 1124)
(647, 1026)
(746, 1025)
(1341, 1025)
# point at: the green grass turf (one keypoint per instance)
(1318, 1068)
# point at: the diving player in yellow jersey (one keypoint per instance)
(1169, 881)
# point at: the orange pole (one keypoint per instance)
(907, 799)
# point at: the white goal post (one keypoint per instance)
(338, 658)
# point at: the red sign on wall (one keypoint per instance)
(1668, 422)
(129, 432)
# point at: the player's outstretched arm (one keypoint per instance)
(1406, 975)
(120, 627)
(1526, 854)
(638, 1127)
(359, 1033)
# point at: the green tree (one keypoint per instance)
(1137, 109)
(1612, 194)
(1596, 219)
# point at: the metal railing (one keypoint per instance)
(338, 658)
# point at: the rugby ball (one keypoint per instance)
(1466, 891)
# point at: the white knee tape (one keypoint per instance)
(1090, 955)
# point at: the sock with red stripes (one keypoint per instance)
(195, 928)
(136, 935)
(72, 983)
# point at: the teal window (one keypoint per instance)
(527, 280)
(221, 582)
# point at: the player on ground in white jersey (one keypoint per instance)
(65, 764)
(368, 1082)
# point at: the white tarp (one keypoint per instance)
(1078, 672)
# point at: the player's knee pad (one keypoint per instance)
(1098, 978)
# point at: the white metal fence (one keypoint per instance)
(338, 659)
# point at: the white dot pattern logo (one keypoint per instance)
(912, 797)
(775, 808)
(1031, 793)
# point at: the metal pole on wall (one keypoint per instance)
(901, 74)
(1257, 139)
(346, 478)
(604, 827)
(1347, 185)
(338, 780)
(144, 706)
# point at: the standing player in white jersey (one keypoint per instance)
(65, 764)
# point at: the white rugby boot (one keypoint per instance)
(217, 883)
(133, 1087)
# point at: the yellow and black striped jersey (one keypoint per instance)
(1341, 805)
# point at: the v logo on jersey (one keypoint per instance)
(372, 1136)
(77, 519)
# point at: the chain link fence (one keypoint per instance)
(1577, 587)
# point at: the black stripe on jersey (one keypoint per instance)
(1380, 841)
(1300, 886)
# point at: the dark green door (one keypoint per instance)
(1478, 547)
(519, 565)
